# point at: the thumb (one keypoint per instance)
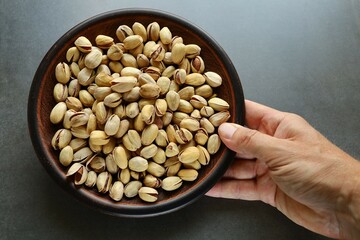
(248, 143)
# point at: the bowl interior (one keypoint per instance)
(41, 102)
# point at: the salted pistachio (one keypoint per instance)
(198, 101)
(168, 71)
(96, 164)
(149, 91)
(83, 155)
(123, 84)
(213, 144)
(110, 164)
(91, 124)
(148, 48)
(99, 137)
(58, 112)
(74, 69)
(132, 110)
(148, 151)
(93, 59)
(123, 31)
(186, 93)
(115, 53)
(151, 181)
(72, 54)
(194, 79)
(178, 53)
(132, 41)
(66, 156)
(172, 166)
(185, 106)
(183, 135)
(164, 84)
(112, 125)
(132, 188)
(148, 114)
(166, 119)
(138, 164)
(103, 79)
(201, 136)
(81, 61)
(124, 175)
(205, 91)
(109, 147)
(80, 173)
(220, 117)
(155, 169)
(116, 191)
(197, 65)
(188, 174)
(86, 76)
(174, 41)
(189, 155)
(192, 50)
(74, 88)
(154, 72)
(86, 98)
(101, 92)
(213, 79)
(185, 64)
(178, 117)
(207, 125)
(124, 127)
(138, 123)
(171, 150)
(171, 132)
(218, 104)
(157, 54)
(80, 132)
(161, 139)
(148, 194)
(95, 148)
(128, 60)
(113, 100)
(193, 165)
(145, 78)
(62, 73)
(160, 107)
(149, 134)
(104, 42)
(132, 95)
(207, 111)
(204, 157)
(91, 179)
(60, 92)
(103, 182)
(103, 68)
(173, 100)
(101, 112)
(79, 119)
(142, 60)
(160, 156)
(83, 44)
(153, 31)
(196, 114)
(132, 140)
(171, 183)
(168, 59)
(120, 156)
(77, 143)
(115, 66)
(140, 30)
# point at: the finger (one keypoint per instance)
(235, 189)
(245, 169)
(249, 143)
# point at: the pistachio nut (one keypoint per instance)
(99, 137)
(151, 181)
(111, 166)
(132, 110)
(60, 92)
(115, 53)
(213, 79)
(193, 165)
(58, 112)
(62, 73)
(148, 114)
(83, 44)
(95, 148)
(196, 114)
(207, 125)
(171, 150)
(103, 182)
(140, 30)
(149, 91)
(101, 112)
(154, 72)
(198, 101)
(161, 139)
(171, 183)
(120, 156)
(104, 42)
(160, 107)
(174, 41)
(86, 98)
(171, 132)
(123, 84)
(80, 132)
(101, 92)
(113, 100)
(186, 93)
(83, 155)
(124, 127)
(168, 59)
(132, 188)
(189, 155)
(128, 60)
(115, 66)
(142, 60)
(192, 50)
(173, 100)
(96, 164)
(164, 84)
(148, 48)
(201, 136)
(138, 164)
(148, 194)
(109, 147)
(204, 90)
(138, 123)
(153, 31)
(103, 68)
(218, 118)
(204, 157)
(145, 78)
(149, 134)
(91, 179)
(172, 166)
(160, 156)
(61, 139)
(124, 175)
(77, 143)
(218, 104)
(166, 119)
(179, 116)
(86, 76)
(132, 41)
(207, 111)
(183, 135)
(185, 64)
(188, 174)
(197, 65)
(79, 119)
(74, 88)
(116, 191)
(112, 125)
(123, 31)
(72, 54)
(91, 124)
(79, 171)
(178, 53)
(168, 71)
(93, 59)
(132, 140)
(66, 156)
(148, 151)
(213, 144)
(132, 96)
(74, 69)
(194, 79)
(157, 54)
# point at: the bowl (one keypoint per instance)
(41, 102)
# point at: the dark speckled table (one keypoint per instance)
(298, 56)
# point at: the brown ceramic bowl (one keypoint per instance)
(41, 102)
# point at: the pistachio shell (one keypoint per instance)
(171, 183)
(148, 194)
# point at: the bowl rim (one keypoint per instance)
(126, 210)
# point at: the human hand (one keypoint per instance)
(285, 162)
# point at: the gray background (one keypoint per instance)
(298, 56)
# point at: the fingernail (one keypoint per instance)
(226, 130)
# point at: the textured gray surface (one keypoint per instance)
(299, 56)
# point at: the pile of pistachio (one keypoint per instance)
(137, 114)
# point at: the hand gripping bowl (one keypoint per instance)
(41, 102)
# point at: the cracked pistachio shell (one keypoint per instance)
(124, 175)
(172, 166)
(73, 103)
(116, 191)
(62, 73)
(103, 68)
(189, 155)
(74, 88)
(132, 110)
(160, 107)
(123, 31)
(148, 114)
(188, 174)
(133, 95)
(83, 44)
(174, 41)
(171, 183)
(145, 78)
(220, 117)
(183, 135)
(192, 50)
(83, 155)
(148, 194)
(124, 127)
(161, 139)
(93, 59)
(168, 71)
(138, 164)
(153, 31)
(113, 100)
(103, 79)
(123, 84)
(128, 60)
(218, 104)
(148, 48)
(96, 163)
(86, 76)
(164, 84)
(103, 41)
(80, 173)
(120, 156)
(186, 93)
(132, 188)
(72, 54)
(204, 157)
(179, 116)
(132, 41)
(207, 111)
(60, 92)
(198, 101)
(142, 60)
(149, 91)
(185, 64)
(149, 134)
(194, 79)
(77, 143)
(213, 79)
(148, 151)
(185, 106)
(112, 125)
(99, 137)
(157, 53)
(103, 182)
(154, 72)
(115, 53)
(165, 35)
(58, 112)
(79, 119)
(180, 76)
(213, 144)
(173, 100)
(207, 125)
(101, 92)
(196, 114)
(140, 30)
(86, 98)
(91, 124)
(91, 179)
(66, 156)
(178, 53)
(160, 156)
(156, 169)
(171, 150)
(80, 132)
(201, 136)
(132, 140)
(151, 181)
(197, 65)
